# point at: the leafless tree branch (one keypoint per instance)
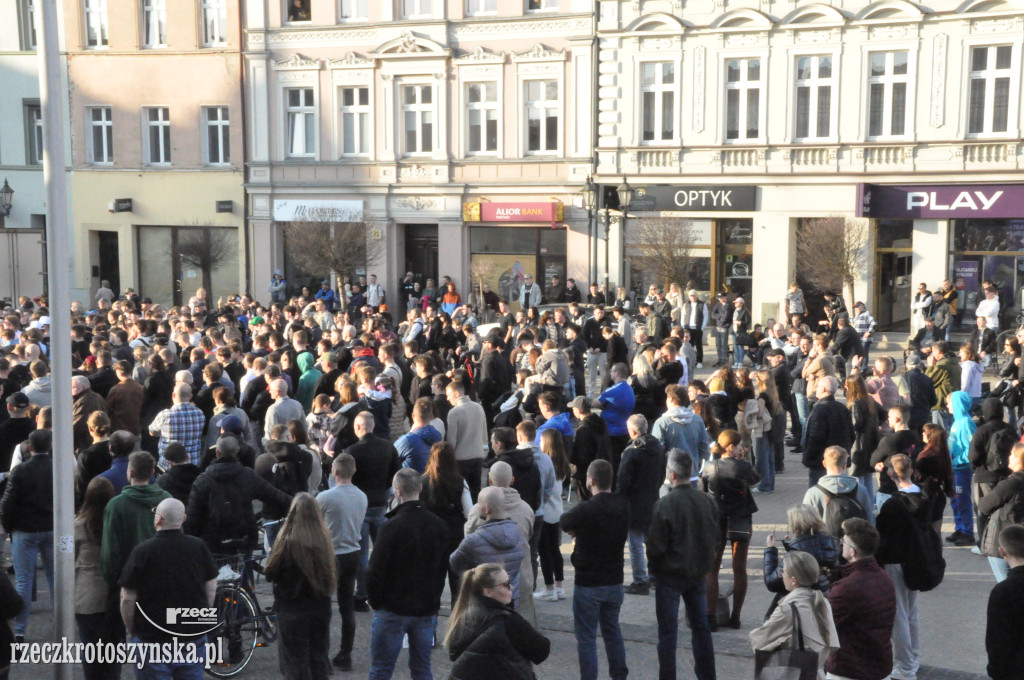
(831, 252)
(321, 244)
(662, 247)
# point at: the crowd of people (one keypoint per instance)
(377, 457)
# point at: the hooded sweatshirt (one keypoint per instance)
(38, 391)
(992, 412)
(414, 448)
(499, 541)
(681, 428)
(306, 390)
(839, 484)
(127, 521)
(962, 430)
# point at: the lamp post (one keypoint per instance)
(5, 199)
(625, 193)
(589, 195)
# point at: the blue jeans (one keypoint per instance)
(999, 568)
(592, 606)
(764, 459)
(666, 606)
(722, 344)
(27, 546)
(373, 521)
(868, 482)
(867, 352)
(943, 419)
(386, 643)
(802, 411)
(637, 559)
(737, 349)
(177, 671)
(963, 510)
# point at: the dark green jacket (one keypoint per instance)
(127, 521)
(945, 375)
(684, 535)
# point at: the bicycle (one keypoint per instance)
(242, 623)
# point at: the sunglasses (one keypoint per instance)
(504, 584)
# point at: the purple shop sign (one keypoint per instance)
(940, 201)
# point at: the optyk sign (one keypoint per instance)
(941, 201)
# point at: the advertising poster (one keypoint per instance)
(505, 273)
(967, 281)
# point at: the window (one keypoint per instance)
(27, 12)
(158, 135)
(33, 134)
(353, 9)
(154, 23)
(416, 9)
(887, 94)
(474, 7)
(813, 97)
(540, 5)
(298, 10)
(355, 121)
(95, 23)
(743, 99)
(215, 22)
(101, 138)
(482, 117)
(301, 115)
(657, 101)
(418, 118)
(988, 99)
(543, 109)
(218, 135)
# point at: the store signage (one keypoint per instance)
(695, 198)
(225, 206)
(321, 211)
(941, 201)
(120, 205)
(550, 212)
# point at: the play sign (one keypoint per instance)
(941, 201)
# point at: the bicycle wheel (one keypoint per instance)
(237, 632)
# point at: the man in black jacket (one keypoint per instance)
(525, 473)
(1006, 610)
(830, 424)
(181, 475)
(494, 377)
(597, 351)
(641, 472)
(983, 340)
(15, 428)
(901, 440)
(405, 579)
(599, 527)
(376, 465)
(989, 455)
(591, 442)
(921, 391)
(846, 345)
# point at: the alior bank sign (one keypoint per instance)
(941, 201)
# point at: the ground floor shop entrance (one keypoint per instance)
(174, 262)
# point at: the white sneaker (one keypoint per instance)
(545, 596)
(700, 365)
(976, 550)
(560, 593)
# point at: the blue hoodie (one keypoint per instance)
(414, 448)
(962, 430)
(560, 423)
(617, 402)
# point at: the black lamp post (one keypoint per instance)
(589, 196)
(625, 193)
(5, 199)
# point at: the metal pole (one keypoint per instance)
(592, 257)
(58, 256)
(607, 247)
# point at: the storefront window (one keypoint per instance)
(736, 232)
(988, 250)
(503, 256)
(895, 234)
(988, 235)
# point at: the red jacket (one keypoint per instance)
(864, 609)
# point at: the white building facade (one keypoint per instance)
(746, 117)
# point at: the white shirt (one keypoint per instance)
(374, 294)
(990, 310)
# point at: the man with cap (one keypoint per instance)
(529, 293)
(278, 287)
(739, 328)
(865, 325)
(694, 318)
(721, 314)
(230, 426)
(15, 429)
(178, 479)
(326, 294)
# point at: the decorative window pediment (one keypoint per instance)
(297, 62)
(538, 53)
(744, 19)
(410, 45)
(891, 10)
(350, 60)
(478, 55)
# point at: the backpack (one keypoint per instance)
(840, 507)
(927, 567)
(999, 444)
(229, 518)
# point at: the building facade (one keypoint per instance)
(746, 118)
(437, 122)
(155, 99)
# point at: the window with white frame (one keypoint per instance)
(657, 101)
(416, 9)
(814, 88)
(888, 80)
(743, 85)
(300, 112)
(476, 7)
(154, 23)
(417, 118)
(101, 137)
(158, 135)
(988, 99)
(217, 141)
(482, 118)
(215, 22)
(355, 121)
(33, 134)
(354, 9)
(543, 114)
(298, 10)
(95, 23)
(27, 12)
(541, 5)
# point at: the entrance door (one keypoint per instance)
(894, 291)
(421, 252)
(109, 260)
(735, 256)
(175, 262)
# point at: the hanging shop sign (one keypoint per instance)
(940, 201)
(695, 198)
(550, 212)
(317, 211)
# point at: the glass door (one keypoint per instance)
(175, 262)
(736, 256)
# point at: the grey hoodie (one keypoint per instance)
(681, 428)
(839, 484)
(38, 391)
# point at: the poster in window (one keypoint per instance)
(504, 273)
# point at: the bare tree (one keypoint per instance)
(480, 270)
(322, 243)
(662, 248)
(207, 249)
(831, 252)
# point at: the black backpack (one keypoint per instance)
(840, 507)
(1000, 442)
(927, 567)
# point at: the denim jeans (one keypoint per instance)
(867, 351)
(177, 671)
(27, 546)
(666, 606)
(593, 606)
(764, 459)
(963, 509)
(637, 558)
(868, 482)
(943, 419)
(905, 630)
(737, 350)
(386, 643)
(373, 521)
(802, 411)
(722, 344)
(597, 371)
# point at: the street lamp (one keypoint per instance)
(589, 195)
(5, 199)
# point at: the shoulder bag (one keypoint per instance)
(792, 663)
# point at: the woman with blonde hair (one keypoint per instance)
(550, 546)
(644, 382)
(302, 568)
(807, 533)
(817, 628)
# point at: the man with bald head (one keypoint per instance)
(498, 540)
(183, 422)
(170, 571)
(283, 409)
